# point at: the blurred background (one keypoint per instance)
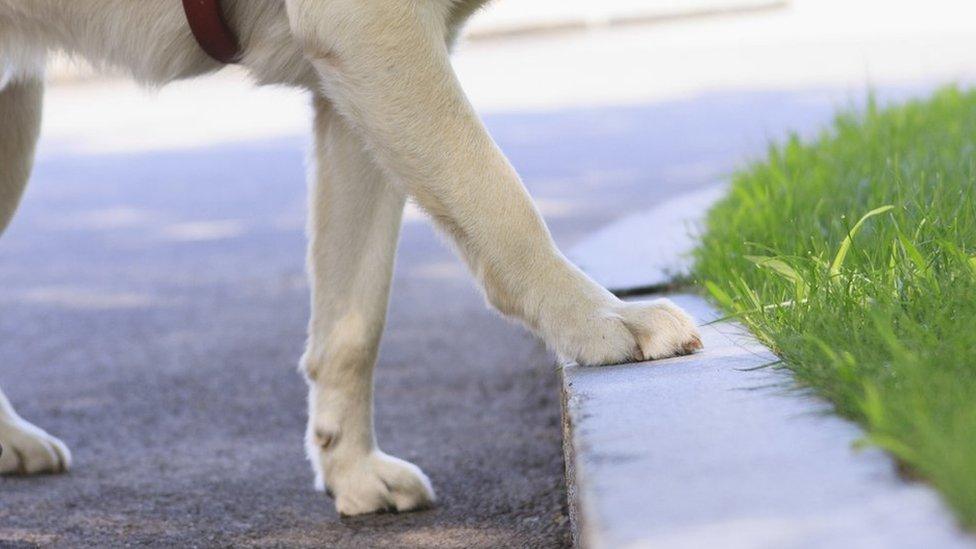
(153, 281)
(702, 84)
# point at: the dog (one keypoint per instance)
(391, 122)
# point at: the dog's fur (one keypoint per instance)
(391, 121)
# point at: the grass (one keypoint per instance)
(854, 257)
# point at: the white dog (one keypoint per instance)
(391, 122)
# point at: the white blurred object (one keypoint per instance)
(508, 17)
(846, 44)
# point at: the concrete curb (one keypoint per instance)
(713, 450)
(717, 450)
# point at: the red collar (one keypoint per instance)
(206, 19)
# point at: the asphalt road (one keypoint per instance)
(154, 307)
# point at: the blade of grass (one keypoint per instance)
(845, 246)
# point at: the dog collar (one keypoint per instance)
(206, 19)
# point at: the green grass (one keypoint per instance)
(878, 317)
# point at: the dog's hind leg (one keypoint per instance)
(20, 124)
(353, 227)
(385, 66)
(24, 448)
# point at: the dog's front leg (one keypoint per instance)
(385, 66)
(354, 224)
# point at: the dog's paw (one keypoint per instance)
(377, 483)
(29, 450)
(638, 331)
(661, 329)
